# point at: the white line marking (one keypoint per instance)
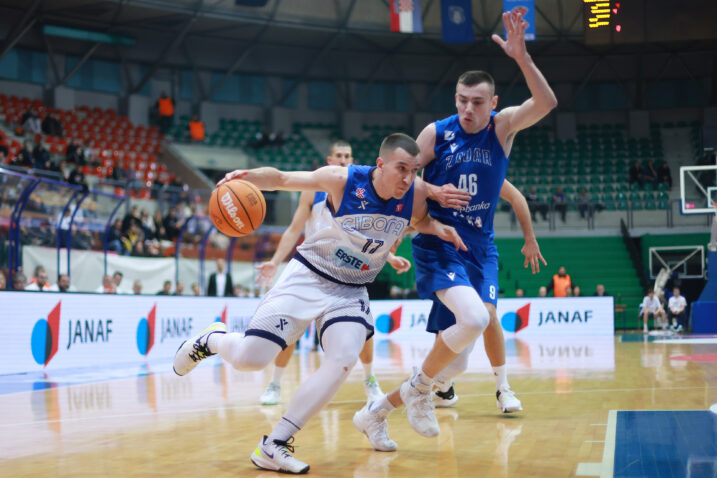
(594, 441)
(588, 469)
(608, 454)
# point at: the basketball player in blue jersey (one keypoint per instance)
(470, 150)
(340, 155)
(366, 210)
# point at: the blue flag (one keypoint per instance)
(529, 16)
(456, 21)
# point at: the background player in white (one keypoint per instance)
(652, 309)
(473, 154)
(340, 154)
(366, 211)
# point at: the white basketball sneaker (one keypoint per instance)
(372, 388)
(277, 456)
(194, 350)
(419, 409)
(272, 395)
(507, 401)
(444, 399)
(375, 427)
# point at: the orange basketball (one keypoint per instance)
(237, 208)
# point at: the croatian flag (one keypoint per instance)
(406, 16)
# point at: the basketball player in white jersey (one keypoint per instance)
(340, 155)
(366, 210)
(470, 149)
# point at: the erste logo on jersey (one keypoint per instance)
(350, 259)
(360, 193)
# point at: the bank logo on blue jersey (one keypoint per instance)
(449, 135)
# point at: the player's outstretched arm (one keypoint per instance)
(513, 119)
(331, 179)
(424, 223)
(291, 235)
(447, 195)
(530, 249)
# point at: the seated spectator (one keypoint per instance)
(649, 174)
(117, 279)
(77, 177)
(559, 283)
(160, 233)
(4, 147)
(75, 153)
(652, 309)
(172, 223)
(577, 292)
(196, 129)
(165, 108)
(568, 292)
(543, 291)
(664, 175)
(3, 283)
(39, 281)
(560, 202)
(63, 284)
(107, 287)
(19, 281)
(519, 293)
(196, 291)
(179, 288)
(166, 288)
(24, 158)
(636, 174)
(114, 238)
(41, 157)
(131, 218)
(3, 156)
(600, 291)
(51, 126)
(31, 122)
(137, 287)
(534, 204)
(676, 310)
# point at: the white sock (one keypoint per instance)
(422, 382)
(278, 372)
(443, 386)
(213, 341)
(501, 377)
(367, 370)
(381, 404)
(285, 429)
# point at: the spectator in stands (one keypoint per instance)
(24, 157)
(677, 310)
(165, 108)
(75, 153)
(131, 218)
(577, 292)
(649, 174)
(19, 281)
(543, 291)
(600, 291)
(39, 282)
(117, 278)
(114, 239)
(137, 287)
(3, 281)
(534, 204)
(519, 293)
(664, 175)
(196, 291)
(260, 140)
(41, 157)
(652, 309)
(160, 233)
(77, 177)
(220, 282)
(108, 286)
(166, 288)
(172, 223)
(196, 129)
(584, 204)
(3, 155)
(51, 126)
(4, 149)
(63, 284)
(636, 176)
(179, 288)
(559, 283)
(560, 202)
(31, 122)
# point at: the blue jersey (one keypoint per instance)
(350, 246)
(475, 163)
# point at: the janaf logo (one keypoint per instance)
(88, 331)
(46, 336)
(387, 323)
(564, 317)
(175, 328)
(145, 332)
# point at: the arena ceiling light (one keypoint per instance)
(87, 35)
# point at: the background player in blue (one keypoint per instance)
(367, 209)
(469, 150)
(340, 154)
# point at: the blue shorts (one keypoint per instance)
(439, 266)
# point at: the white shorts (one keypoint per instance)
(300, 296)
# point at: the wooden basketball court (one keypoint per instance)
(148, 422)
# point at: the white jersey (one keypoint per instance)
(677, 303)
(351, 245)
